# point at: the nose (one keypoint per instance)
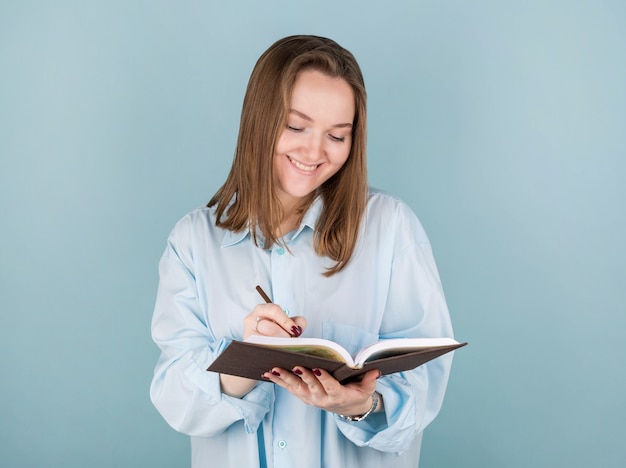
(315, 146)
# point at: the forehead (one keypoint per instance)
(321, 94)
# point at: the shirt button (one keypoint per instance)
(286, 311)
(280, 251)
(282, 444)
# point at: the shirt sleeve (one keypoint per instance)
(188, 397)
(415, 307)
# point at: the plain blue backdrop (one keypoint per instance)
(502, 123)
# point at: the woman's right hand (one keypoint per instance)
(268, 320)
(271, 320)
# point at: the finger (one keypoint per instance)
(270, 328)
(310, 377)
(368, 383)
(275, 314)
(300, 322)
(285, 379)
(319, 381)
(371, 377)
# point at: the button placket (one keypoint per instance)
(281, 274)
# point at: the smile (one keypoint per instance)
(303, 167)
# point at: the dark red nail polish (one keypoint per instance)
(297, 371)
(296, 331)
(276, 373)
(317, 372)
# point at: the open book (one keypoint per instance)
(259, 354)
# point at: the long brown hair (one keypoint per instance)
(247, 200)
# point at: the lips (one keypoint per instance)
(303, 167)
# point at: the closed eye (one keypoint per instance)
(294, 129)
(337, 139)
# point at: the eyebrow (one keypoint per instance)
(306, 117)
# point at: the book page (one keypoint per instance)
(313, 346)
(398, 346)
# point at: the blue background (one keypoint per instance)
(500, 122)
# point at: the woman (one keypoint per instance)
(339, 261)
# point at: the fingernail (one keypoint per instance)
(297, 331)
(297, 371)
(276, 373)
(317, 372)
(263, 377)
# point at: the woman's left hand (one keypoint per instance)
(318, 388)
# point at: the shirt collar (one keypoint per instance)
(308, 221)
(232, 237)
(310, 217)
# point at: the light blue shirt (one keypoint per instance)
(390, 289)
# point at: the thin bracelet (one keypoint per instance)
(361, 417)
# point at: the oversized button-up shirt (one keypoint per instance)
(389, 289)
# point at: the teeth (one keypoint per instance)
(303, 167)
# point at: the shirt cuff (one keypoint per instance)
(253, 406)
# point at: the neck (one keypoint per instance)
(290, 222)
(293, 210)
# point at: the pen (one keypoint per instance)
(263, 295)
(296, 329)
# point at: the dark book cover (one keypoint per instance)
(252, 360)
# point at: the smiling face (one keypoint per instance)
(317, 138)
